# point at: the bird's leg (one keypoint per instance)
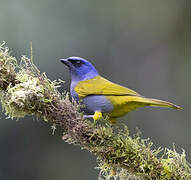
(88, 116)
(97, 115)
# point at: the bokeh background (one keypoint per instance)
(145, 45)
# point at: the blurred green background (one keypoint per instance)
(144, 45)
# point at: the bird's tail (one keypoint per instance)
(155, 102)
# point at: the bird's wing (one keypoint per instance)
(115, 93)
(101, 86)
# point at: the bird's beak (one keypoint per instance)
(65, 61)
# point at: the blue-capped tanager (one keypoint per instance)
(101, 96)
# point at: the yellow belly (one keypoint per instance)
(122, 105)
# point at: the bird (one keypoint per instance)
(101, 96)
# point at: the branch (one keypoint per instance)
(26, 91)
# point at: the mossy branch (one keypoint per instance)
(26, 91)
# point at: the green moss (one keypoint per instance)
(134, 157)
(25, 91)
(32, 91)
(23, 98)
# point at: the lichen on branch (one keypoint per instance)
(26, 91)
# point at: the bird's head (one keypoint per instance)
(80, 68)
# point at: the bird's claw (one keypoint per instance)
(97, 115)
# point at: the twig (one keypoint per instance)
(25, 91)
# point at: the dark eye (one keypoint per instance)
(76, 63)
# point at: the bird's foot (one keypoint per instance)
(97, 115)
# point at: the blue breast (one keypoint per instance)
(93, 102)
(97, 103)
(72, 91)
